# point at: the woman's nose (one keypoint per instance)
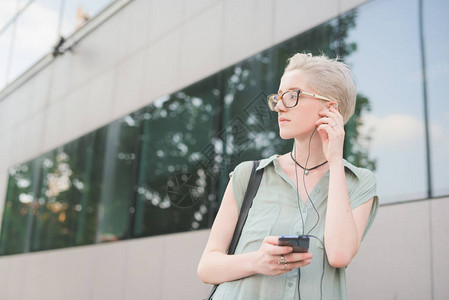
(279, 106)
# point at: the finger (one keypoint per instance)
(324, 128)
(337, 113)
(328, 132)
(328, 121)
(323, 132)
(272, 240)
(295, 265)
(280, 250)
(287, 267)
(297, 257)
(332, 113)
(327, 112)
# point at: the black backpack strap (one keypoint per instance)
(251, 191)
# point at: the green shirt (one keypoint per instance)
(275, 212)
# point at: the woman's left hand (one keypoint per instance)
(332, 133)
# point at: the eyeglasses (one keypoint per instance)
(290, 98)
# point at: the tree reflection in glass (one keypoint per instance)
(162, 169)
(19, 209)
(173, 184)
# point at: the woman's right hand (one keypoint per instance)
(269, 258)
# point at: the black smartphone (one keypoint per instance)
(300, 243)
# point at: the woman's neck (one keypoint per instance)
(309, 150)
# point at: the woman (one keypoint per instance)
(312, 191)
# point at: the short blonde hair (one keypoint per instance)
(327, 77)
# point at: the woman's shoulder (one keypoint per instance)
(242, 168)
(246, 166)
(361, 184)
(360, 172)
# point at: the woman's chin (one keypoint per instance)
(285, 135)
(291, 134)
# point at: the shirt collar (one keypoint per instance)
(273, 159)
(265, 162)
(355, 170)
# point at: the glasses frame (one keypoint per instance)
(271, 98)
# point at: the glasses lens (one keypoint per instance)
(272, 101)
(290, 98)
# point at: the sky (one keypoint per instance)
(36, 30)
(387, 69)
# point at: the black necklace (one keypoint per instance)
(306, 170)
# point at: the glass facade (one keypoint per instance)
(173, 183)
(436, 50)
(162, 169)
(387, 69)
(29, 29)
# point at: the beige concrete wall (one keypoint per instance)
(162, 267)
(405, 254)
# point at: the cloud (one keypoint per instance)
(393, 131)
(402, 132)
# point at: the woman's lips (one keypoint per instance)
(283, 120)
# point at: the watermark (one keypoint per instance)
(185, 189)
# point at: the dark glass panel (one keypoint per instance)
(87, 188)
(114, 181)
(176, 175)
(65, 215)
(250, 129)
(20, 208)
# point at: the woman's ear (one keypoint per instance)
(333, 104)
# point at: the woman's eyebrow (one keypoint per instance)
(290, 89)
